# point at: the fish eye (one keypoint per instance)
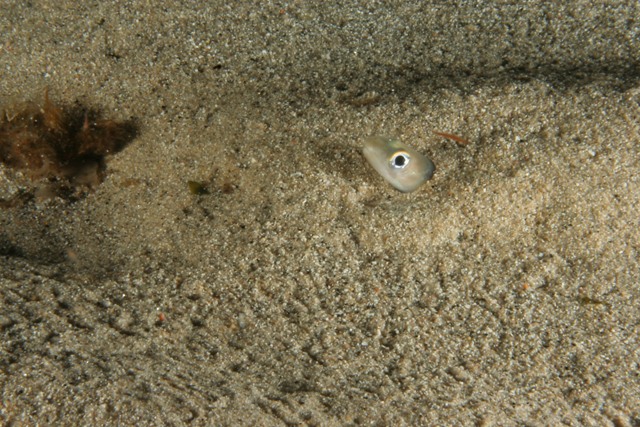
(400, 165)
(400, 160)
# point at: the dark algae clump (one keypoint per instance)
(66, 146)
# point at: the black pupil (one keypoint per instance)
(399, 161)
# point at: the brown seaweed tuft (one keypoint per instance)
(62, 145)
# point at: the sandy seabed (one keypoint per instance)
(294, 286)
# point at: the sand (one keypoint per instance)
(300, 288)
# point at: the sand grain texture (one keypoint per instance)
(301, 289)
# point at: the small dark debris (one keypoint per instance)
(584, 300)
(227, 188)
(197, 188)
